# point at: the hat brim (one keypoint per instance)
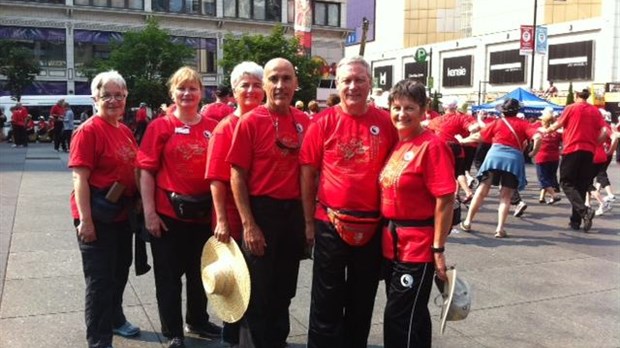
(448, 294)
(230, 307)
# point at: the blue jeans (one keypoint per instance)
(106, 263)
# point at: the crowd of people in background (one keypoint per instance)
(368, 187)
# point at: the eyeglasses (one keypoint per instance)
(283, 144)
(109, 98)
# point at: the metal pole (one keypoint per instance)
(363, 41)
(534, 46)
(430, 70)
(479, 91)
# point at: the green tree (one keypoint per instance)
(146, 59)
(18, 64)
(261, 49)
(570, 98)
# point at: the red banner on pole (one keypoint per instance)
(303, 24)
(527, 40)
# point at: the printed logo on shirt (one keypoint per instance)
(406, 280)
(352, 148)
(374, 130)
(299, 127)
(408, 156)
(207, 134)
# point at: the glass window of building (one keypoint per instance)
(327, 13)
(291, 11)
(208, 7)
(128, 4)
(267, 10)
(204, 7)
(61, 2)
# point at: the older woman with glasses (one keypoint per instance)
(177, 206)
(103, 162)
(246, 81)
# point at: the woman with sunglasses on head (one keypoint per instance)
(246, 81)
(177, 206)
(417, 197)
(102, 158)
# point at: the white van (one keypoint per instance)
(40, 105)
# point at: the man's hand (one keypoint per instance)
(254, 240)
(86, 231)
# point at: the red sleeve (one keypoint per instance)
(219, 145)
(152, 145)
(312, 147)
(241, 152)
(439, 169)
(83, 148)
(487, 132)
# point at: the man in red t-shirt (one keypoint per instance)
(265, 184)
(141, 122)
(18, 124)
(346, 148)
(220, 108)
(583, 130)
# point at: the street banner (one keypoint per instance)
(527, 40)
(541, 40)
(303, 24)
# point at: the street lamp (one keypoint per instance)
(533, 48)
(365, 23)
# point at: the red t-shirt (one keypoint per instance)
(449, 125)
(582, 124)
(431, 114)
(218, 169)
(418, 171)
(141, 115)
(18, 117)
(600, 155)
(549, 148)
(217, 111)
(498, 132)
(57, 111)
(272, 171)
(349, 151)
(109, 153)
(177, 155)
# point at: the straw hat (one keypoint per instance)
(226, 279)
(456, 295)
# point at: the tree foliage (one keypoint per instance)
(570, 98)
(146, 59)
(18, 64)
(260, 49)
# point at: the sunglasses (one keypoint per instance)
(291, 146)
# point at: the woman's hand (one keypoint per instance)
(222, 231)
(154, 224)
(254, 240)
(440, 266)
(86, 231)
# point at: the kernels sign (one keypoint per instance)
(457, 71)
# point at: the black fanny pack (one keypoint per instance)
(101, 209)
(191, 207)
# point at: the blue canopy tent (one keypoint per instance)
(532, 105)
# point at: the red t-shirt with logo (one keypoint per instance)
(449, 125)
(109, 152)
(177, 155)
(498, 132)
(549, 148)
(600, 155)
(218, 169)
(582, 124)
(418, 171)
(349, 151)
(272, 171)
(217, 111)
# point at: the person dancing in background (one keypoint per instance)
(547, 161)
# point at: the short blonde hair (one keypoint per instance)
(184, 74)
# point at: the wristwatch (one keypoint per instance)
(438, 250)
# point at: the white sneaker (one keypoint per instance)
(520, 209)
(602, 209)
(609, 199)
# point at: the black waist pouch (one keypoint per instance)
(191, 207)
(102, 209)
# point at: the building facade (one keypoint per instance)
(66, 34)
(472, 47)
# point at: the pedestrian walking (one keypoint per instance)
(67, 127)
(57, 115)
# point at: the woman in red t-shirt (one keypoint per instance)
(547, 161)
(104, 186)
(417, 197)
(177, 206)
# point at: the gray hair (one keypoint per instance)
(351, 61)
(103, 79)
(245, 68)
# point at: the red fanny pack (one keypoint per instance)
(354, 230)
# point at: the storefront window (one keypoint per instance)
(268, 10)
(327, 13)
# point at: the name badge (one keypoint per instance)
(181, 130)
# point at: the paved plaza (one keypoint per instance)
(545, 286)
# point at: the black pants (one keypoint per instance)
(576, 175)
(19, 135)
(139, 132)
(66, 139)
(481, 153)
(407, 321)
(344, 286)
(175, 253)
(470, 153)
(106, 263)
(274, 275)
(601, 174)
(58, 130)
